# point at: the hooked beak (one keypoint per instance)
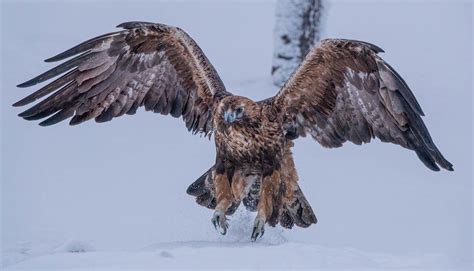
(230, 116)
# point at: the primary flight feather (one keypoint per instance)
(342, 91)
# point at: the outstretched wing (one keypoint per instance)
(343, 91)
(152, 65)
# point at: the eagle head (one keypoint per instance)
(235, 109)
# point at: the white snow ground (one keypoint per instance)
(274, 251)
(113, 196)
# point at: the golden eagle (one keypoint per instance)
(342, 91)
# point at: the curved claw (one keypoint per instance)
(258, 229)
(219, 221)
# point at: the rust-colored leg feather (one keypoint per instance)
(295, 207)
(223, 202)
(223, 192)
(204, 191)
(270, 189)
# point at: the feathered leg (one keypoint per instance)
(223, 201)
(295, 209)
(269, 191)
(241, 184)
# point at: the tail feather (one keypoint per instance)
(203, 190)
(199, 187)
(297, 211)
(206, 200)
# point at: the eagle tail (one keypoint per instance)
(203, 190)
(297, 211)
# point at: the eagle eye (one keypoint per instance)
(239, 111)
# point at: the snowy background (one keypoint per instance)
(116, 191)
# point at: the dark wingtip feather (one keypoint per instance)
(63, 55)
(28, 83)
(443, 162)
(78, 119)
(63, 67)
(58, 117)
(439, 158)
(36, 115)
(51, 87)
(82, 47)
(25, 113)
(423, 144)
(36, 112)
(430, 164)
(43, 124)
(55, 58)
(425, 157)
(21, 102)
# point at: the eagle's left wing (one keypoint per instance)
(343, 91)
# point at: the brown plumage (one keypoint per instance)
(343, 91)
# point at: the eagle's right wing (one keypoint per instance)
(152, 65)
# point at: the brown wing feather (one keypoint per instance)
(152, 65)
(343, 91)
